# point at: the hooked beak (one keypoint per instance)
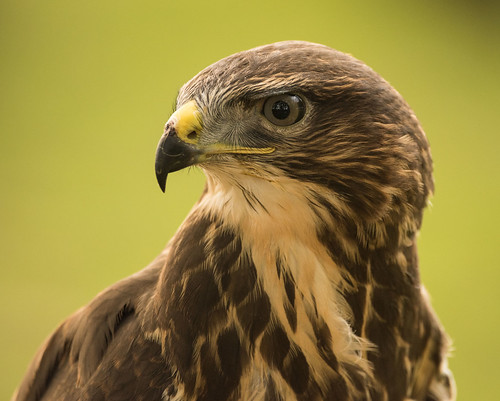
(178, 148)
(173, 154)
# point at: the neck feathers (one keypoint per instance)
(268, 291)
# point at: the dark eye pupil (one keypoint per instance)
(280, 110)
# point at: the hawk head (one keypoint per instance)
(302, 112)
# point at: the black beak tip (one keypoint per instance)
(161, 177)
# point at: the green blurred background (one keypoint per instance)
(87, 86)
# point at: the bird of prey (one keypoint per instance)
(295, 276)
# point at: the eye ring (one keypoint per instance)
(285, 109)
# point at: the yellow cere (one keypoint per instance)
(187, 120)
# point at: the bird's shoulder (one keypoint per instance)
(97, 341)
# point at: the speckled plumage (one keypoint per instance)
(295, 276)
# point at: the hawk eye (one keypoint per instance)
(284, 109)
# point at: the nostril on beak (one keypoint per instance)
(170, 129)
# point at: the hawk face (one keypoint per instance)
(303, 113)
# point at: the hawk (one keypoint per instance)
(295, 276)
